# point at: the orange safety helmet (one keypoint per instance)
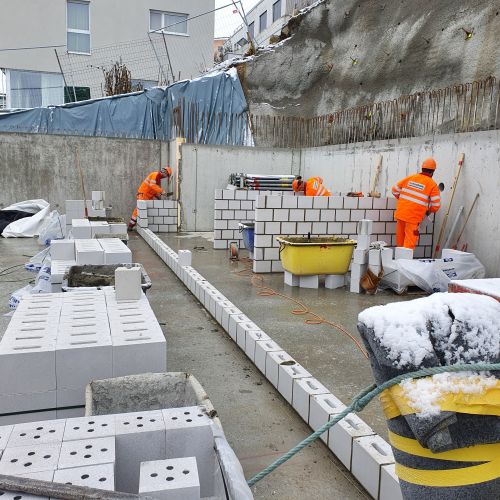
(298, 184)
(166, 171)
(429, 164)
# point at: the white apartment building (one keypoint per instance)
(265, 19)
(156, 39)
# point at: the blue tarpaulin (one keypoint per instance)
(211, 107)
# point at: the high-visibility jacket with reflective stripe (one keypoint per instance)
(416, 195)
(315, 187)
(151, 186)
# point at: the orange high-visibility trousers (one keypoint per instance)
(406, 234)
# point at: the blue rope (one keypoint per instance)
(360, 402)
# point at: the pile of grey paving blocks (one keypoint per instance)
(160, 216)
(165, 453)
(55, 344)
(361, 450)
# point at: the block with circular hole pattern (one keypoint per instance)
(100, 476)
(27, 459)
(87, 452)
(36, 433)
(89, 427)
(174, 479)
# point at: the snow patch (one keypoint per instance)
(425, 394)
(457, 327)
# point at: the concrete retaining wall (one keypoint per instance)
(44, 166)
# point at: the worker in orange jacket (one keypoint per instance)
(418, 196)
(313, 187)
(150, 189)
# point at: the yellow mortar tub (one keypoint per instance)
(316, 255)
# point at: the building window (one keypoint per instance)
(263, 21)
(76, 94)
(78, 20)
(251, 30)
(30, 89)
(168, 22)
(276, 10)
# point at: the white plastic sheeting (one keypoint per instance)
(29, 226)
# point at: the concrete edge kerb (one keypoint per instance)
(266, 356)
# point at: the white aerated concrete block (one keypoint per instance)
(234, 321)
(80, 228)
(389, 483)
(62, 250)
(251, 338)
(185, 257)
(28, 459)
(387, 256)
(360, 256)
(88, 252)
(115, 251)
(403, 253)
(14, 495)
(5, 432)
(262, 348)
(286, 375)
(58, 269)
(99, 227)
(364, 241)
(173, 479)
(322, 407)
(37, 433)
(227, 312)
(273, 362)
(369, 454)
(333, 281)
(342, 434)
(304, 389)
(374, 257)
(309, 281)
(89, 427)
(87, 452)
(291, 279)
(27, 368)
(117, 228)
(30, 401)
(100, 476)
(128, 283)
(140, 437)
(189, 434)
(357, 272)
(241, 332)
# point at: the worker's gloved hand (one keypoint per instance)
(428, 213)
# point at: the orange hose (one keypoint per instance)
(302, 310)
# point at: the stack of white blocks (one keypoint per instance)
(371, 461)
(115, 251)
(122, 452)
(322, 216)
(75, 209)
(62, 254)
(160, 216)
(56, 344)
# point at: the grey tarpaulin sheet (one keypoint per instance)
(145, 115)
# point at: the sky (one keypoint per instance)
(225, 20)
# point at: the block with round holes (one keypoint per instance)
(89, 427)
(369, 454)
(322, 408)
(303, 389)
(173, 479)
(188, 433)
(273, 362)
(36, 433)
(16, 495)
(87, 452)
(287, 373)
(100, 476)
(140, 437)
(27, 459)
(342, 434)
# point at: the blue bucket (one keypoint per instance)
(248, 230)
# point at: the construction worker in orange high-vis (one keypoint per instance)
(418, 196)
(313, 187)
(150, 189)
